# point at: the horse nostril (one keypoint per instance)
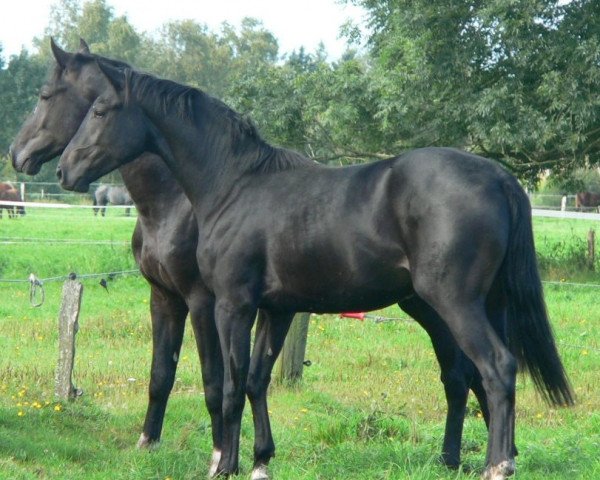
(59, 173)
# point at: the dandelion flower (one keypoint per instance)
(57, 407)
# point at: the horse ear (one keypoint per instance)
(62, 57)
(116, 76)
(83, 46)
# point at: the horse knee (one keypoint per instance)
(213, 397)
(233, 404)
(255, 388)
(160, 386)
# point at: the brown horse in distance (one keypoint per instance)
(10, 194)
(587, 200)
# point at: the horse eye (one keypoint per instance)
(45, 95)
(98, 113)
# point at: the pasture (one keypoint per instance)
(370, 407)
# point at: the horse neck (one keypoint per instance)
(206, 163)
(152, 187)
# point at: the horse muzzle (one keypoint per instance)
(67, 183)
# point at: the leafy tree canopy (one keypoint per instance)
(514, 81)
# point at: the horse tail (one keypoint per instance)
(530, 335)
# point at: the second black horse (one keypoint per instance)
(374, 235)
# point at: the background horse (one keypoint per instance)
(9, 193)
(113, 195)
(587, 200)
(372, 234)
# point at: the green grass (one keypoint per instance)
(370, 407)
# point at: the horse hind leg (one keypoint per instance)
(475, 335)
(458, 374)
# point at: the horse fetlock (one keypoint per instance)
(499, 472)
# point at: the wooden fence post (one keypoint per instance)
(591, 249)
(67, 328)
(291, 361)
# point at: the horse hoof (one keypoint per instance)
(260, 473)
(214, 463)
(144, 443)
(499, 472)
(449, 462)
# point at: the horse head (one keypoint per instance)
(63, 101)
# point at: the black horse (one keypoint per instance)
(264, 214)
(165, 225)
(109, 194)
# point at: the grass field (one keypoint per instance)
(370, 407)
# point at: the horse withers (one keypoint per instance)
(8, 193)
(465, 252)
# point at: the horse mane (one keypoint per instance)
(195, 106)
(279, 159)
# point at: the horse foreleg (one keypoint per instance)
(271, 331)
(168, 322)
(211, 360)
(234, 324)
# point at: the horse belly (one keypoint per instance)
(323, 285)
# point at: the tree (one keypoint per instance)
(512, 80)
(311, 105)
(20, 82)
